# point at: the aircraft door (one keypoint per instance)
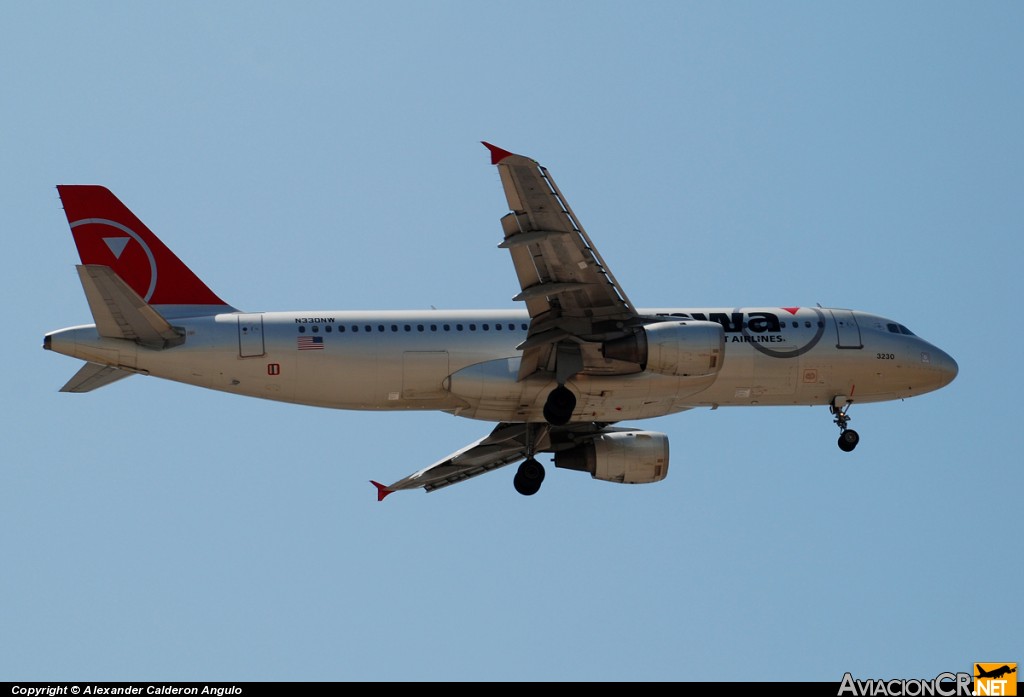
(250, 335)
(847, 330)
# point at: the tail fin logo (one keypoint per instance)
(129, 267)
(116, 244)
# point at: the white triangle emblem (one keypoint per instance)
(116, 245)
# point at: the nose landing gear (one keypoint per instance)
(848, 438)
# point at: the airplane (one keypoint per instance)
(996, 673)
(558, 376)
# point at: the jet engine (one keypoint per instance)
(626, 457)
(681, 349)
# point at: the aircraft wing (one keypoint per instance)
(506, 444)
(569, 291)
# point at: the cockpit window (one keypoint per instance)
(899, 329)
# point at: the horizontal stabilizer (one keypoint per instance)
(93, 376)
(120, 313)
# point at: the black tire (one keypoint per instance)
(529, 477)
(559, 406)
(848, 440)
(532, 470)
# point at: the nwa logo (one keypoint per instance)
(760, 329)
(109, 243)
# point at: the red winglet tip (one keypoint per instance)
(382, 491)
(497, 154)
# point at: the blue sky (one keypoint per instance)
(326, 156)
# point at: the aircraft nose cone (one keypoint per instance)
(946, 366)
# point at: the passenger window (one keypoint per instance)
(472, 327)
(433, 327)
(419, 327)
(302, 329)
(380, 327)
(341, 328)
(408, 328)
(327, 329)
(485, 327)
(355, 327)
(315, 329)
(447, 327)
(458, 327)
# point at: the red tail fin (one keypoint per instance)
(108, 234)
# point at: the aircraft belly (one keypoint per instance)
(492, 391)
(191, 367)
(774, 376)
(346, 380)
(424, 374)
(814, 380)
(112, 352)
(212, 357)
(359, 378)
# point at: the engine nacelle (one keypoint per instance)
(626, 457)
(688, 348)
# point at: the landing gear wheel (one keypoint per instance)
(559, 406)
(529, 477)
(848, 440)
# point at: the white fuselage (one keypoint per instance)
(466, 362)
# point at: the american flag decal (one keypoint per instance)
(311, 343)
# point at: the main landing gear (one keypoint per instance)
(848, 438)
(558, 409)
(559, 406)
(530, 474)
(529, 477)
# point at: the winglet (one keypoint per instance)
(382, 491)
(497, 154)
